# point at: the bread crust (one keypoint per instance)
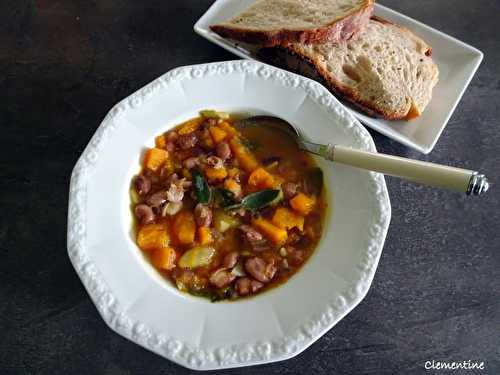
(269, 56)
(339, 30)
(347, 92)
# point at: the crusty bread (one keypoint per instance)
(384, 69)
(275, 22)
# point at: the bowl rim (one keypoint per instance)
(224, 356)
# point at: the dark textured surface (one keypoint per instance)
(65, 63)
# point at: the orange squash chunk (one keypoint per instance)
(205, 236)
(155, 158)
(184, 227)
(206, 139)
(233, 172)
(246, 159)
(261, 179)
(164, 258)
(215, 174)
(275, 234)
(228, 128)
(231, 185)
(152, 237)
(218, 135)
(302, 203)
(190, 126)
(160, 141)
(285, 218)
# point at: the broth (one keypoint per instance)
(225, 211)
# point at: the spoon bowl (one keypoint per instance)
(457, 179)
(271, 121)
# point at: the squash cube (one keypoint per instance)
(246, 159)
(164, 258)
(261, 179)
(153, 236)
(285, 218)
(184, 227)
(218, 135)
(302, 203)
(275, 234)
(204, 236)
(155, 158)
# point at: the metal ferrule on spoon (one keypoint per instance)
(456, 179)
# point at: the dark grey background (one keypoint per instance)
(64, 64)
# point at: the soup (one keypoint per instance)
(224, 210)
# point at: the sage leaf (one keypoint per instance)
(261, 199)
(201, 188)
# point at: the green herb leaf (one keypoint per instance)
(224, 197)
(261, 199)
(315, 180)
(201, 188)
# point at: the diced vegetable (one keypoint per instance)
(209, 113)
(224, 221)
(275, 234)
(190, 126)
(152, 237)
(171, 208)
(246, 159)
(302, 203)
(155, 158)
(160, 141)
(218, 135)
(184, 227)
(261, 179)
(285, 218)
(206, 139)
(228, 128)
(134, 196)
(238, 270)
(198, 256)
(233, 172)
(168, 167)
(164, 258)
(205, 236)
(216, 174)
(234, 187)
(261, 199)
(201, 188)
(214, 194)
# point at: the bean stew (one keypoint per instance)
(226, 211)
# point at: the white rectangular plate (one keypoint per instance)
(456, 60)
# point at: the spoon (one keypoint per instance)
(456, 179)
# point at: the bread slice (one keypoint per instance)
(384, 69)
(275, 22)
